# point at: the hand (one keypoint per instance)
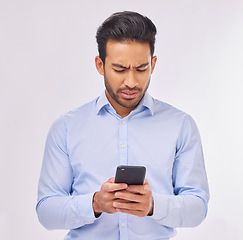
(136, 200)
(104, 199)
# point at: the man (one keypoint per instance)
(124, 126)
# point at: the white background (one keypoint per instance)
(47, 51)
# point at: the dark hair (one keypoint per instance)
(125, 26)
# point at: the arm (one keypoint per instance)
(188, 206)
(56, 208)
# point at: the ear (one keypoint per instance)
(99, 65)
(153, 63)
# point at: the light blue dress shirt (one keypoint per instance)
(85, 146)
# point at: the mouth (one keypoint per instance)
(129, 94)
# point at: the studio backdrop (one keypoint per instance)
(47, 51)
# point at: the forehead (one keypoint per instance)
(128, 52)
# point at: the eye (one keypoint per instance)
(141, 70)
(119, 71)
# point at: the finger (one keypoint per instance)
(128, 206)
(113, 187)
(111, 180)
(122, 200)
(128, 196)
(139, 189)
(145, 181)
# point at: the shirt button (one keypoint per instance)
(123, 146)
(123, 121)
(123, 224)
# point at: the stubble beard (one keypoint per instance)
(129, 104)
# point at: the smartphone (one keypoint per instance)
(131, 175)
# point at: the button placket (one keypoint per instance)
(123, 142)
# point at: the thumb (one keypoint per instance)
(111, 180)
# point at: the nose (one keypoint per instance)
(130, 80)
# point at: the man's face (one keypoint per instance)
(127, 71)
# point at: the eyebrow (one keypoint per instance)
(143, 65)
(121, 66)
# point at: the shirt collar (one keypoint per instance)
(101, 102)
(147, 102)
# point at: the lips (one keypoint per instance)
(129, 94)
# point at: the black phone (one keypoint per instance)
(131, 175)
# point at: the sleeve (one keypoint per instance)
(56, 208)
(188, 206)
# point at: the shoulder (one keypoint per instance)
(81, 110)
(165, 110)
(175, 119)
(77, 115)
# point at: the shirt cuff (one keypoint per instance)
(85, 207)
(161, 203)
